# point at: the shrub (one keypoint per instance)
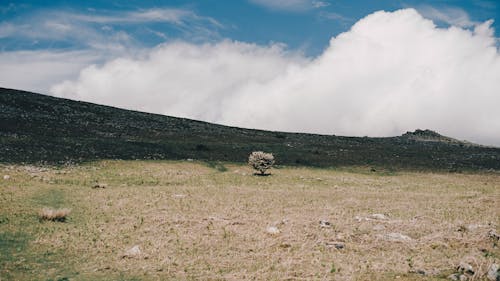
(49, 214)
(261, 161)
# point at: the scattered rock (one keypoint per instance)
(285, 245)
(99, 185)
(335, 244)
(325, 224)
(397, 237)
(466, 268)
(475, 226)
(419, 271)
(273, 230)
(458, 277)
(378, 216)
(339, 246)
(6, 177)
(493, 272)
(132, 252)
(358, 218)
(281, 222)
(493, 235)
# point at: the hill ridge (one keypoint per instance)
(39, 128)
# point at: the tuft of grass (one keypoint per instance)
(49, 214)
(333, 269)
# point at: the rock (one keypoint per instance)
(99, 185)
(6, 177)
(493, 272)
(285, 245)
(458, 277)
(325, 224)
(378, 227)
(273, 230)
(132, 252)
(179, 195)
(419, 271)
(397, 237)
(281, 222)
(339, 246)
(358, 218)
(493, 235)
(335, 244)
(378, 216)
(466, 268)
(475, 226)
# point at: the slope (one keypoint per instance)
(35, 128)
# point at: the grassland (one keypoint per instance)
(208, 221)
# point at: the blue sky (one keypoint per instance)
(359, 68)
(306, 25)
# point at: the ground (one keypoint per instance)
(210, 221)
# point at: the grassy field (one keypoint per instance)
(210, 221)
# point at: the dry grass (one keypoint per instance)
(193, 222)
(49, 214)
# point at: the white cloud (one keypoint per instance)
(334, 16)
(392, 72)
(291, 5)
(319, 4)
(95, 30)
(449, 15)
(168, 15)
(37, 70)
(182, 79)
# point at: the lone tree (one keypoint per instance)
(261, 161)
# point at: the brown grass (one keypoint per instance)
(192, 222)
(49, 214)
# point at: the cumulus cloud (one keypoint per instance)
(182, 79)
(37, 70)
(390, 73)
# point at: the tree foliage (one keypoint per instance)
(261, 161)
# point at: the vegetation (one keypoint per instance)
(50, 214)
(191, 221)
(41, 129)
(261, 161)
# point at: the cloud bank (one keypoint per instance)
(392, 72)
(37, 70)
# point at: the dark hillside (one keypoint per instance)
(37, 128)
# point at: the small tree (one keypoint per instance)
(261, 161)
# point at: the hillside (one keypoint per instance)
(36, 128)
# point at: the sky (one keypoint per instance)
(358, 68)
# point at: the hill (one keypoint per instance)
(35, 128)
